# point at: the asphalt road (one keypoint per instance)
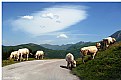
(38, 70)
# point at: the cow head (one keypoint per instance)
(98, 45)
(74, 63)
(114, 40)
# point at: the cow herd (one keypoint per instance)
(92, 50)
(23, 53)
(89, 50)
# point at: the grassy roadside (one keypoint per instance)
(106, 65)
(9, 62)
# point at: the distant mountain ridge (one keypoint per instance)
(80, 44)
(117, 35)
(56, 47)
(64, 47)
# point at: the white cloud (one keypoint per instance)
(27, 17)
(62, 36)
(50, 15)
(50, 19)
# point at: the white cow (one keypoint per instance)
(22, 52)
(70, 61)
(39, 54)
(90, 50)
(14, 55)
(108, 41)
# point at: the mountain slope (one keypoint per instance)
(106, 65)
(80, 44)
(117, 35)
(56, 47)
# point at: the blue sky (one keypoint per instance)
(58, 22)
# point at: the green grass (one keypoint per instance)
(106, 65)
(9, 62)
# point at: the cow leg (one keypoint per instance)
(27, 56)
(71, 65)
(35, 56)
(42, 56)
(68, 65)
(14, 57)
(82, 56)
(38, 57)
(107, 44)
(93, 55)
(21, 57)
(83, 59)
(17, 57)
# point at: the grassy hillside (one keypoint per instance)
(106, 65)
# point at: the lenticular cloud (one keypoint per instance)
(50, 19)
